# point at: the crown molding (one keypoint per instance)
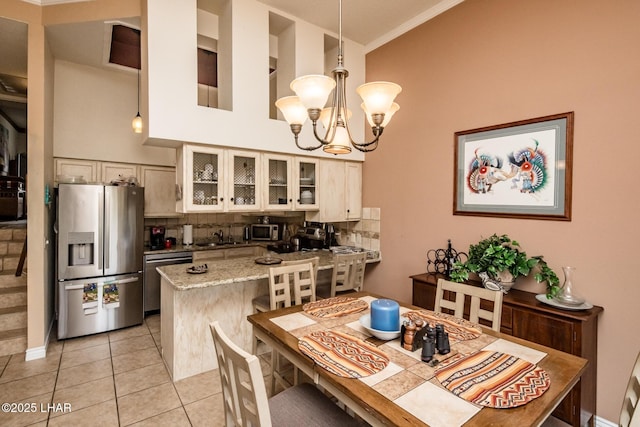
(411, 24)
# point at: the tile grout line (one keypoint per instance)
(113, 378)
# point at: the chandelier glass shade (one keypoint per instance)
(312, 93)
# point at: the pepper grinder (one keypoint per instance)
(409, 335)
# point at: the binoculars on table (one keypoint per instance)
(435, 339)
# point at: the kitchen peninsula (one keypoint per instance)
(189, 302)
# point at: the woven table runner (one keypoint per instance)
(342, 354)
(458, 329)
(495, 380)
(335, 307)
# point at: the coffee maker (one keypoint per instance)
(156, 238)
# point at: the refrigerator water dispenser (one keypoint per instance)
(81, 248)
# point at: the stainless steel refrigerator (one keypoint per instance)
(100, 238)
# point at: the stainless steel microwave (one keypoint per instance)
(264, 232)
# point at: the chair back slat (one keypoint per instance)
(348, 272)
(305, 280)
(476, 295)
(300, 276)
(279, 288)
(243, 390)
(630, 415)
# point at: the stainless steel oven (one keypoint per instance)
(151, 278)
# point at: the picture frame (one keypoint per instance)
(520, 169)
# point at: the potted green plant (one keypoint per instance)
(499, 260)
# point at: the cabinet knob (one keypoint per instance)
(229, 199)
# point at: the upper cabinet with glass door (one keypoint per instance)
(306, 184)
(202, 179)
(279, 184)
(243, 173)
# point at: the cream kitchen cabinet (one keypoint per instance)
(88, 169)
(201, 179)
(244, 178)
(305, 180)
(112, 171)
(159, 184)
(218, 180)
(277, 182)
(290, 182)
(339, 192)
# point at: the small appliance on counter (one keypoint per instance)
(156, 238)
(187, 234)
(317, 235)
(282, 247)
(311, 237)
(265, 232)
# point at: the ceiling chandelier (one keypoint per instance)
(312, 93)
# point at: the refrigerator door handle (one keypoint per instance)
(100, 229)
(127, 280)
(106, 228)
(72, 287)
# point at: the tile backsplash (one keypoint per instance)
(364, 233)
(206, 224)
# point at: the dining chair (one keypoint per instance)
(281, 279)
(630, 415)
(476, 294)
(262, 303)
(306, 285)
(245, 396)
(347, 275)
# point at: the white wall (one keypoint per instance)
(93, 112)
(173, 113)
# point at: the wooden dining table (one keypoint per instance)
(406, 393)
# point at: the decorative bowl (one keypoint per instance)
(365, 321)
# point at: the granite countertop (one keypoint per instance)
(236, 270)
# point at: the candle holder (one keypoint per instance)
(385, 315)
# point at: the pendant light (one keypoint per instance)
(312, 92)
(136, 123)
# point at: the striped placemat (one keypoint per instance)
(494, 379)
(458, 329)
(335, 307)
(342, 354)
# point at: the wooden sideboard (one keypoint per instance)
(523, 316)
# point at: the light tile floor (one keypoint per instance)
(112, 379)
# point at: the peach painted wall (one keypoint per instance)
(487, 62)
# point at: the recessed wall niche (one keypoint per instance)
(281, 60)
(214, 78)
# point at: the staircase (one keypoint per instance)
(13, 291)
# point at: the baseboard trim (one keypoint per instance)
(35, 353)
(39, 352)
(601, 422)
